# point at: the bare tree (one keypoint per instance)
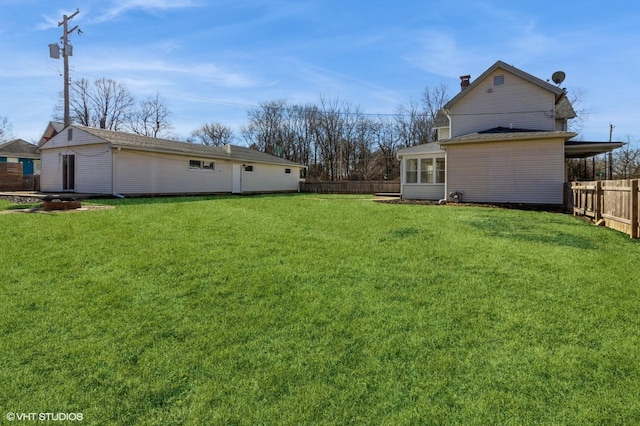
(5, 129)
(433, 101)
(265, 126)
(80, 103)
(151, 118)
(112, 103)
(626, 160)
(576, 99)
(386, 140)
(411, 125)
(212, 134)
(105, 104)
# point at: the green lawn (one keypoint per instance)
(308, 309)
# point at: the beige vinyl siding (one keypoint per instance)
(507, 172)
(516, 103)
(92, 168)
(268, 178)
(141, 172)
(423, 187)
(423, 192)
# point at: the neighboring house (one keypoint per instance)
(20, 151)
(502, 139)
(88, 160)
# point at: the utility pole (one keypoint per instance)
(611, 126)
(67, 50)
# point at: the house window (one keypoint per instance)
(498, 80)
(202, 165)
(248, 168)
(69, 134)
(411, 174)
(426, 170)
(440, 168)
(287, 171)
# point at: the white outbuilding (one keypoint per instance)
(98, 161)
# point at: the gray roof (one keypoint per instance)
(19, 148)
(146, 143)
(441, 119)
(506, 134)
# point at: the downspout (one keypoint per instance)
(113, 173)
(401, 158)
(446, 172)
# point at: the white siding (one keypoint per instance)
(516, 103)
(508, 172)
(268, 178)
(154, 173)
(92, 168)
(79, 137)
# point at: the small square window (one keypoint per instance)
(208, 165)
(248, 168)
(498, 80)
(195, 164)
(287, 171)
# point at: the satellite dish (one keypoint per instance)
(558, 77)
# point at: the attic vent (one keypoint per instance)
(498, 80)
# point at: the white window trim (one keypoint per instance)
(434, 173)
(201, 167)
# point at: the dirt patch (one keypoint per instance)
(40, 209)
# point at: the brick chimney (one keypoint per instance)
(465, 81)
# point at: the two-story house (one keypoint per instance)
(502, 139)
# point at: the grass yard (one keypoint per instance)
(307, 309)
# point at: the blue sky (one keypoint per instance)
(214, 60)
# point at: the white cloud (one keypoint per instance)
(123, 6)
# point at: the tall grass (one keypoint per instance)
(307, 309)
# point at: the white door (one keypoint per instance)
(237, 179)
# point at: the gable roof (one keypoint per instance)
(53, 128)
(558, 92)
(145, 143)
(19, 148)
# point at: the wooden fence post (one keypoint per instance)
(598, 202)
(634, 208)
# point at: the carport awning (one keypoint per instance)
(581, 149)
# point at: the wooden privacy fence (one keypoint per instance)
(612, 203)
(10, 176)
(351, 187)
(12, 179)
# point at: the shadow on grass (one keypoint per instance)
(172, 199)
(532, 232)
